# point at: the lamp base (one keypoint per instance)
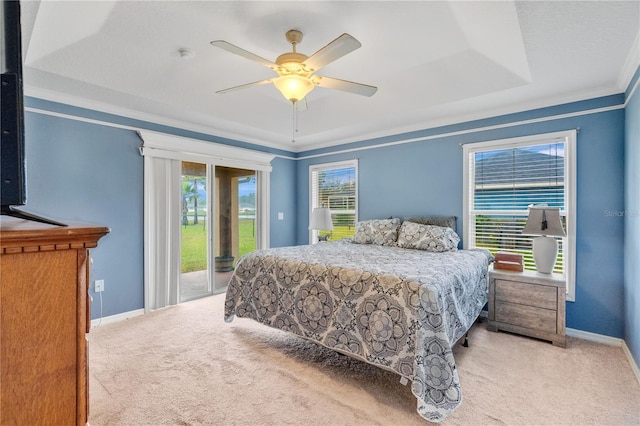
(545, 252)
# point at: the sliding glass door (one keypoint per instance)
(229, 222)
(205, 206)
(194, 223)
(235, 219)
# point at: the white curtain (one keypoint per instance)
(262, 209)
(162, 237)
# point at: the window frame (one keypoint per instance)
(569, 138)
(313, 202)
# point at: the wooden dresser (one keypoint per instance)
(44, 316)
(528, 303)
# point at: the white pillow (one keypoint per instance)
(427, 237)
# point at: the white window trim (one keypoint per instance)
(569, 137)
(178, 149)
(312, 202)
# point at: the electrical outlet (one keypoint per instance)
(98, 286)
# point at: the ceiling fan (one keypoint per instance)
(295, 70)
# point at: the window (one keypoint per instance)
(334, 186)
(502, 178)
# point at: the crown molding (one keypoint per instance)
(630, 65)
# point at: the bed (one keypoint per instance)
(389, 297)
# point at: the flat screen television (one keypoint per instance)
(13, 185)
(13, 166)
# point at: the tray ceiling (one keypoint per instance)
(433, 62)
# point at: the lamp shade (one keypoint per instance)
(293, 87)
(321, 219)
(544, 220)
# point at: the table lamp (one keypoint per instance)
(544, 222)
(321, 221)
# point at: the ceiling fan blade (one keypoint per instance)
(244, 53)
(344, 85)
(245, 86)
(332, 51)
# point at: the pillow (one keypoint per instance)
(427, 237)
(383, 232)
(444, 221)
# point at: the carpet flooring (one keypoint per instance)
(184, 365)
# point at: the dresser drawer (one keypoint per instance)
(526, 316)
(540, 296)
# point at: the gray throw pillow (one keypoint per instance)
(448, 221)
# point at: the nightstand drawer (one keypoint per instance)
(526, 294)
(526, 316)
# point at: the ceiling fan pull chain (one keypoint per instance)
(294, 127)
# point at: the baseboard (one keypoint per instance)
(607, 340)
(117, 317)
(634, 365)
(593, 337)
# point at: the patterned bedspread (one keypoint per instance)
(395, 308)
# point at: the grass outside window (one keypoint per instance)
(194, 243)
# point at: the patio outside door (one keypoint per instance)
(194, 265)
(235, 220)
(202, 201)
(229, 223)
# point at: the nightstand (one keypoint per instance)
(528, 303)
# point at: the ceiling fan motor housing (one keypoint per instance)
(292, 63)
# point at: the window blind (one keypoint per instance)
(335, 186)
(504, 183)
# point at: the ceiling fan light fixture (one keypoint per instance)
(293, 87)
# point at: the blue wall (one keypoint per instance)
(632, 221)
(91, 173)
(283, 187)
(401, 180)
(426, 178)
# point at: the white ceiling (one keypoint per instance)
(434, 62)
